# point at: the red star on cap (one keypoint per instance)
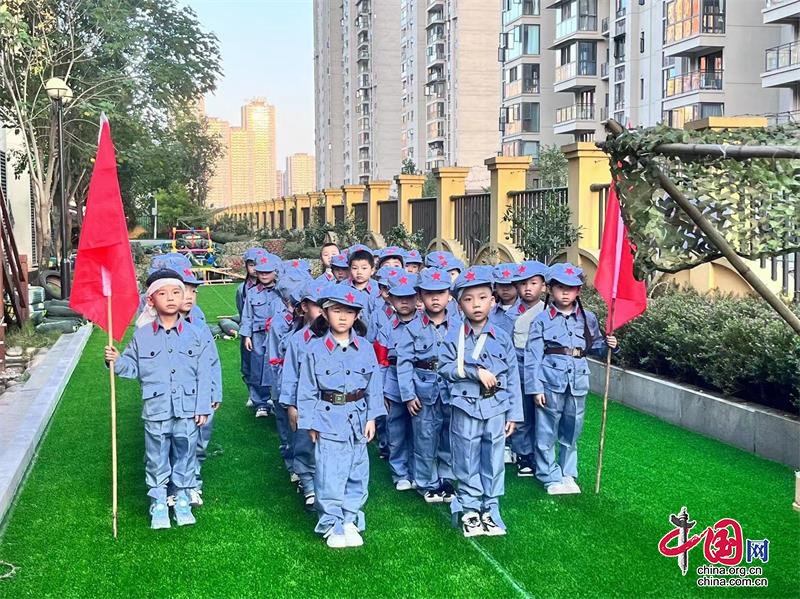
(392, 273)
(296, 263)
(506, 273)
(350, 298)
(436, 276)
(442, 259)
(263, 260)
(403, 280)
(187, 271)
(569, 271)
(470, 276)
(522, 268)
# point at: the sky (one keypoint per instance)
(267, 49)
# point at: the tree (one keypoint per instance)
(429, 188)
(139, 61)
(176, 209)
(545, 232)
(408, 168)
(552, 167)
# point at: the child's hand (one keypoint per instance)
(510, 428)
(314, 435)
(215, 406)
(111, 353)
(201, 419)
(612, 342)
(248, 344)
(369, 430)
(539, 399)
(487, 378)
(291, 413)
(414, 406)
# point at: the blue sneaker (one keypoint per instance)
(183, 510)
(159, 515)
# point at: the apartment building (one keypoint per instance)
(529, 102)
(300, 176)
(782, 61)
(416, 82)
(648, 61)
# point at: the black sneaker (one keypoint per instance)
(447, 491)
(524, 465)
(471, 525)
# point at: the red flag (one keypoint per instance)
(614, 279)
(104, 265)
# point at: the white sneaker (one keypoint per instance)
(403, 485)
(571, 485)
(490, 527)
(352, 536)
(508, 455)
(558, 489)
(262, 413)
(335, 541)
(249, 403)
(471, 525)
(195, 497)
(293, 478)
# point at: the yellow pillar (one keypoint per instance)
(377, 191)
(408, 187)
(333, 197)
(353, 194)
(587, 164)
(507, 174)
(450, 181)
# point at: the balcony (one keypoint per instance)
(574, 119)
(695, 34)
(363, 54)
(785, 12)
(782, 68)
(575, 76)
(435, 17)
(435, 3)
(363, 140)
(362, 23)
(520, 87)
(436, 54)
(693, 88)
(364, 81)
(579, 26)
(435, 132)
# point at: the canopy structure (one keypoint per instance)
(689, 197)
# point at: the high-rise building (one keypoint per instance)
(300, 174)
(280, 183)
(246, 171)
(782, 61)
(329, 94)
(413, 85)
(643, 63)
(219, 189)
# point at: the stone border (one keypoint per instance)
(768, 433)
(26, 409)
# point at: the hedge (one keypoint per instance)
(737, 346)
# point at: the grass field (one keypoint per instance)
(253, 539)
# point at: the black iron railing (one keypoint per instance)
(423, 218)
(473, 220)
(361, 212)
(533, 200)
(388, 215)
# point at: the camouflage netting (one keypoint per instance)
(754, 203)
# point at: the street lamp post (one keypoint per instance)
(60, 93)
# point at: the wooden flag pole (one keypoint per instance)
(605, 404)
(112, 379)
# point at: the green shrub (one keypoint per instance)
(736, 346)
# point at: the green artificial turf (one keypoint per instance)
(253, 539)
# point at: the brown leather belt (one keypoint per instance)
(339, 399)
(575, 352)
(427, 364)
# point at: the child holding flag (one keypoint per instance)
(166, 355)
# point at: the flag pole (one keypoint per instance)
(112, 379)
(605, 404)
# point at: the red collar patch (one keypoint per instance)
(553, 312)
(329, 344)
(155, 326)
(388, 310)
(425, 320)
(522, 309)
(307, 335)
(395, 323)
(289, 318)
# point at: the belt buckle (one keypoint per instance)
(576, 352)
(434, 364)
(339, 399)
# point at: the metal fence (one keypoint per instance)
(293, 217)
(338, 215)
(388, 215)
(319, 214)
(473, 221)
(361, 212)
(784, 269)
(533, 200)
(306, 213)
(423, 218)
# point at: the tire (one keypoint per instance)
(62, 311)
(51, 281)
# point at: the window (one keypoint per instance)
(524, 41)
(587, 58)
(687, 18)
(522, 118)
(522, 79)
(514, 9)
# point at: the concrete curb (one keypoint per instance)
(25, 411)
(768, 433)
